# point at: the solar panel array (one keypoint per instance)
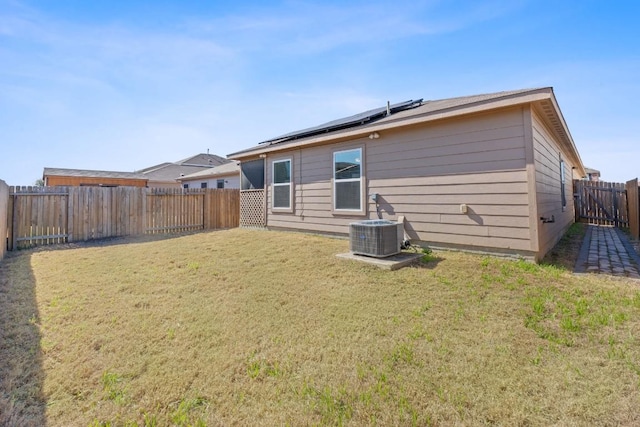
(346, 122)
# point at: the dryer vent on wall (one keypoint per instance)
(376, 238)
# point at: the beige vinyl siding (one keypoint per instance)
(548, 194)
(424, 173)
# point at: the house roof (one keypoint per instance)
(203, 159)
(154, 167)
(230, 168)
(592, 171)
(425, 111)
(172, 172)
(168, 171)
(86, 173)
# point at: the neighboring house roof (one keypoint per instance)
(591, 171)
(424, 111)
(230, 168)
(203, 159)
(172, 171)
(86, 173)
(154, 167)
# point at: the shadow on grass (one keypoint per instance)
(115, 241)
(564, 254)
(22, 402)
(427, 262)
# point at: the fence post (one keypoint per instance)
(14, 223)
(10, 246)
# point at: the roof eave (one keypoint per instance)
(570, 144)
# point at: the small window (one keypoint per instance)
(347, 180)
(562, 184)
(220, 183)
(203, 185)
(281, 195)
(185, 186)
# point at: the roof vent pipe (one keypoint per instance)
(388, 108)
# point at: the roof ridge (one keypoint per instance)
(492, 94)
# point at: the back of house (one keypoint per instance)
(490, 173)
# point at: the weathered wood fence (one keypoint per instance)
(49, 215)
(603, 203)
(4, 204)
(633, 200)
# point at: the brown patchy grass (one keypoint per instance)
(245, 327)
(565, 253)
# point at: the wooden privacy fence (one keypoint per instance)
(49, 215)
(633, 200)
(603, 203)
(4, 204)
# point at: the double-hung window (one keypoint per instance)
(281, 195)
(347, 180)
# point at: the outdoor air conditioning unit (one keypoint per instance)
(376, 238)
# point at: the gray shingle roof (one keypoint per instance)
(86, 173)
(168, 172)
(172, 172)
(203, 159)
(231, 168)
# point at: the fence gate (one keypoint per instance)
(603, 203)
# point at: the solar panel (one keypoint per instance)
(346, 122)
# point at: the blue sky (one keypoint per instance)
(123, 85)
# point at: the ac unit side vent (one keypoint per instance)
(376, 238)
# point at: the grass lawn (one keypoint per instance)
(244, 327)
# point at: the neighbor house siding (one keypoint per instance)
(230, 182)
(547, 156)
(425, 173)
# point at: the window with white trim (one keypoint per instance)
(281, 194)
(220, 183)
(347, 180)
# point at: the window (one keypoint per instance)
(185, 186)
(562, 183)
(281, 194)
(252, 175)
(220, 183)
(347, 180)
(203, 185)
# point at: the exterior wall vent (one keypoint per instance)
(376, 238)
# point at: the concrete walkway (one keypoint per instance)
(607, 250)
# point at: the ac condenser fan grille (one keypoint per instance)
(377, 238)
